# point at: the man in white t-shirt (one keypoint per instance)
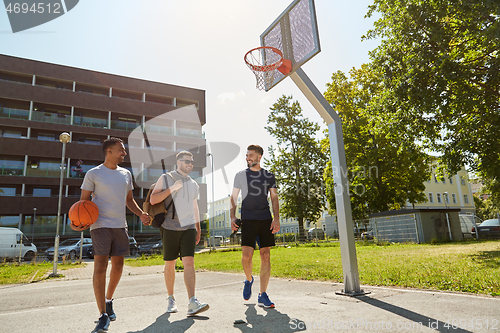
(110, 188)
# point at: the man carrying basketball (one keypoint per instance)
(180, 232)
(110, 188)
(255, 183)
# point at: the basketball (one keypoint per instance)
(83, 212)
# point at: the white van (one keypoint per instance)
(13, 242)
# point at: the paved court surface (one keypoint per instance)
(67, 305)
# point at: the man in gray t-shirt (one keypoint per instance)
(110, 188)
(180, 232)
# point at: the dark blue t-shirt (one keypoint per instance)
(254, 186)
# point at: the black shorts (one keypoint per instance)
(251, 229)
(178, 243)
(110, 242)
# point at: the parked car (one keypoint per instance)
(133, 246)
(313, 232)
(487, 229)
(150, 246)
(367, 235)
(14, 243)
(70, 248)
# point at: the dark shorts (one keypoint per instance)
(251, 229)
(110, 242)
(178, 243)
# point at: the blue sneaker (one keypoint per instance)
(109, 310)
(265, 302)
(247, 290)
(102, 324)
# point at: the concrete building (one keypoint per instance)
(39, 101)
(448, 192)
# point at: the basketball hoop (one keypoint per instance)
(265, 62)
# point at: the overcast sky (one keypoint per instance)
(199, 44)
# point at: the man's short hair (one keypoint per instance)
(183, 153)
(109, 143)
(256, 148)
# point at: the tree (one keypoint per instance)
(385, 168)
(488, 208)
(440, 64)
(297, 162)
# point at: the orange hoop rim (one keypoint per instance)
(265, 68)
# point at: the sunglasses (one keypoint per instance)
(187, 161)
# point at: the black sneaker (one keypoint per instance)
(109, 310)
(102, 324)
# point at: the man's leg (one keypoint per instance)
(189, 275)
(99, 281)
(169, 274)
(265, 268)
(246, 261)
(115, 275)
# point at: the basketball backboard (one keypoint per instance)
(295, 34)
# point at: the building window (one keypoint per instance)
(286, 230)
(435, 179)
(7, 191)
(451, 180)
(466, 199)
(438, 197)
(446, 198)
(41, 192)
(454, 198)
(462, 180)
(431, 199)
(444, 180)
(9, 221)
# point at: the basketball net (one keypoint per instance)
(266, 63)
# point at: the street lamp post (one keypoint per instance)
(446, 212)
(33, 228)
(64, 138)
(212, 241)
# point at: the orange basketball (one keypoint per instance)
(83, 212)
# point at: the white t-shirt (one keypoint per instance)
(110, 188)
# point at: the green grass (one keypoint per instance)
(12, 273)
(465, 267)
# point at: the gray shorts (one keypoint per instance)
(110, 242)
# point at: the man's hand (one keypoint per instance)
(81, 227)
(234, 227)
(198, 236)
(146, 220)
(177, 186)
(275, 226)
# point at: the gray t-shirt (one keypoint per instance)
(183, 201)
(110, 188)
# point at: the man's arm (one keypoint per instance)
(159, 193)
(275, 225)
(196, 212)
(134, 208)
(84, 195)
(232, 210)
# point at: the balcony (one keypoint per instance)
(157, 129)
(124, 125)
(90, 122)
(14, 113)
(191, 133)
(11, 170)
(49, 117)
(43, 172)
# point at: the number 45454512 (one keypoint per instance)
(36, 8)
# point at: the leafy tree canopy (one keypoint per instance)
(385, 168)
(297, 162)
(440, 63)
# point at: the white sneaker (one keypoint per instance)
(195, 306)
(171, 307)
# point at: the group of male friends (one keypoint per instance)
(110, 187)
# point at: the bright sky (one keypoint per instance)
(199, 44)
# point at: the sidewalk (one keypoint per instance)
(68, 305)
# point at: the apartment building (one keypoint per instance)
(39, 101)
